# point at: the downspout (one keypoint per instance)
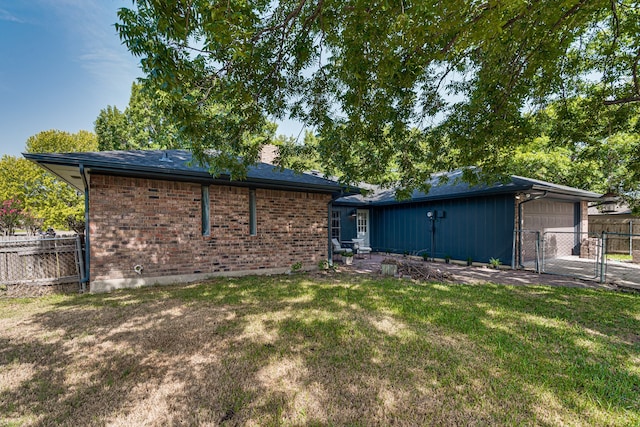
(329, 243)
(520, 224)
(84, 280)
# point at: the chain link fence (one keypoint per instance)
(591, 256)
(622, 258)
(572, 254)
(40, 261)
(526, 250)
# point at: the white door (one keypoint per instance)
(362, 223)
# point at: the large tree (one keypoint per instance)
(373, 78)
(581, 143)
(141, 126)
(43, 196)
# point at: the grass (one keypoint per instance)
(334, 350)
(619, 257)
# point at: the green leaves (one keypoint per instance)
(384, 84)
(43, 196)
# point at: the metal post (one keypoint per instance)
(631, 237)
(542, 251)
(538, 252)
(603, 257)
(513, 250)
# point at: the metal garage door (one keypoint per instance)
(555, 220)
(549, 215)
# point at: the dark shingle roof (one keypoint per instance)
(454, 187)
(172, 164)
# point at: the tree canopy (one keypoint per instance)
(399, 87)
(142, 126)
(42, 197)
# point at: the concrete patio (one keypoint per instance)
(476, 274)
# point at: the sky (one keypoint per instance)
(61, 62)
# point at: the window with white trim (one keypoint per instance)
(335, 224)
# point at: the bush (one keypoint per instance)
(11, 216)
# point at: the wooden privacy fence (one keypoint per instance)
(623, 228)
(40, 261)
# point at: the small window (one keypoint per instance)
(206, 214)
(335, 225)
(253, 222)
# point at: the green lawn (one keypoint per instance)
(339, 350)
(619, 257)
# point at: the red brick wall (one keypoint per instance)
(157, 224)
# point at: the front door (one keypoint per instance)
(362, 222)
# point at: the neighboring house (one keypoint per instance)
(153, 217)
(461, 221)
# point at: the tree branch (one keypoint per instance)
(483, 8)
(294, 13)
(627, 100)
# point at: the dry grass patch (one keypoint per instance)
(326, 351)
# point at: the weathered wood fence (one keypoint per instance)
(622, 230)
(40, 261)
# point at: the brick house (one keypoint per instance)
(155, 218)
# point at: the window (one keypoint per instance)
(206, 214)
(335, 224)
(253, 223)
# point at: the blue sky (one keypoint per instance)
(61, 62)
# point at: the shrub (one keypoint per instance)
(11, 216)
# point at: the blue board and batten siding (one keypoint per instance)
(479, 228)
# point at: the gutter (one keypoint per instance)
(198, 176)
(87, 248)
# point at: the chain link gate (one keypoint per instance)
(607, 257)
(572, 254)
(526, 250)
(621, 260)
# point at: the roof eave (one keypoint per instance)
(92, 166)
(581, 195)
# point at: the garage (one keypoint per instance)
(558, 223)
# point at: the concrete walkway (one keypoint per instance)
(478, 274)
(625, 274)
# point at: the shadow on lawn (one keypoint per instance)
(331, 351)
